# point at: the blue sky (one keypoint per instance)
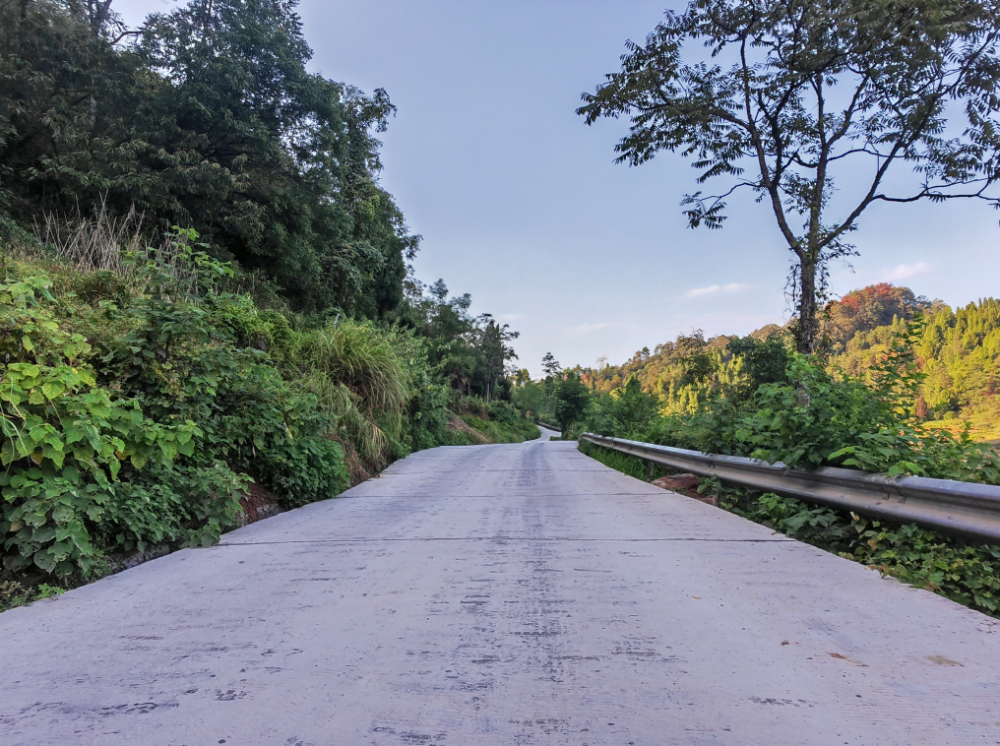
(521, 205)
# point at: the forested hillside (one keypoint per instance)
(207, 119)
(956, 355)
(958, 352)
(205, 299)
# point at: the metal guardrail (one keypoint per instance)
(547, 426)
(964, 509)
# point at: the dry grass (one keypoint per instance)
(98, 242)
(104, 242)
(457, 425)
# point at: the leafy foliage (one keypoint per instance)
(471, 353)
(570, 399)
(66, 440)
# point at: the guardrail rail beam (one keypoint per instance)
(964, 509)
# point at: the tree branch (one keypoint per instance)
(770, 186)
(123, 34)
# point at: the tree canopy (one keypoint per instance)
(790, 94)
(206, 119)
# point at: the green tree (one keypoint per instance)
(496, 351)
(571, 398)
(54, 69)
(471, 353)
(529, 397)
(551, 366)
(763, 361)
(246, 127)
(799, 89)
(209, 120)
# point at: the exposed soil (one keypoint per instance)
(456, 424)
(258, 504)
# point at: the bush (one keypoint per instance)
(149, 436)
(503, 412)
(472, 405)
(804, 422)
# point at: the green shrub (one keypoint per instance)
(428, 413)
(65, 438)
(803, 422)
(503, 412)
(305, 470)
(249, 326)
(472, 405)
(180, 364)
(177, 504)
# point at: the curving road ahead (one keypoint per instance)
(514, 594)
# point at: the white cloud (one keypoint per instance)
(581, 330)
(510, 317)
(906, 271)
(733, 287)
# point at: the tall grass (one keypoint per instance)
(355, 370)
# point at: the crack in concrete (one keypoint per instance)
(500, 538)
(437, 472)
(410, 495)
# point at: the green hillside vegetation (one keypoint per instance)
(956, 356)
(138, 407)
(958, 352)
(204, 287)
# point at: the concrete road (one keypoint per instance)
(547, 434)
(513, 594)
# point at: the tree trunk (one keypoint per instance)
(807, 327)
(98, 17)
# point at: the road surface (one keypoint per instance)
(510, 594)
(547, 434)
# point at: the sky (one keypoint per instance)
(521, 204)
